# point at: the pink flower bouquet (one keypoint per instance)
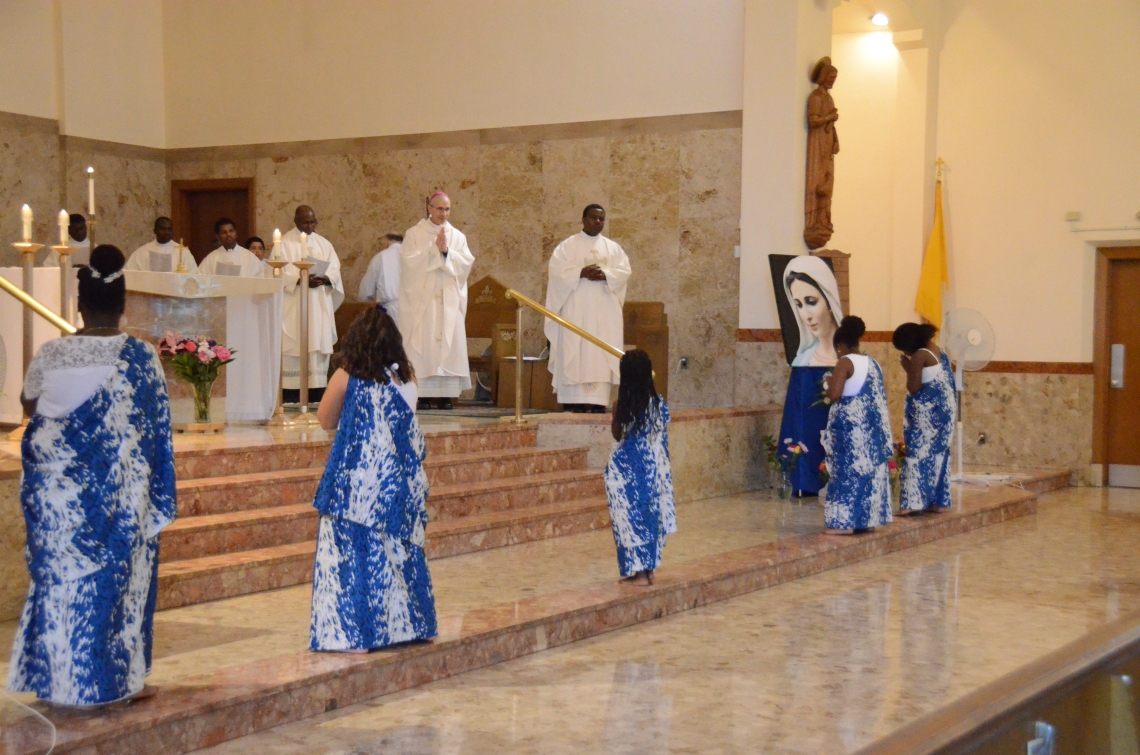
(197, 362)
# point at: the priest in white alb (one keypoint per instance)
(162, 255)
(326, 292)
(434, 265)
(230, 258)
(587, 282)
(77, 242)
(381, 282)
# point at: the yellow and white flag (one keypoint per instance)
(935, 273)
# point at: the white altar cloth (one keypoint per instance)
(253, 329)
(45, 283)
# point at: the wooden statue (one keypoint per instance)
(822, 146)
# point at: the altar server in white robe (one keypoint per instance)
(587, 282)
(381, 282)
(77, 242)
(326, 292)
(162, 255)
(434, 265)
(229, 258)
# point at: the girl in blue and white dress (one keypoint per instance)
(371, 586)
(97, 489)
(857, 438)
(928, 424)
(639, 478)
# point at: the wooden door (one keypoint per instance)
(198, 204)
(1118, 364)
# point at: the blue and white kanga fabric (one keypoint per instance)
(928, 429)
(371, 586)
(858, 444)
(639, 488)
(98, 488)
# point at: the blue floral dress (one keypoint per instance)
(371, 586)
(928, 429)
(858, 444)
(639, 489)
(97, 489)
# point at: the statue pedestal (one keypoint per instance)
(243, 314)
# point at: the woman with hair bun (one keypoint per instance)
(857, 438)
(97, 489)
(928, 423)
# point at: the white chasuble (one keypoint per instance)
(433, 305)
(323, 302)
(238, 261)
(162, 258)
(583, 373)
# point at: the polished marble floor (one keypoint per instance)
(827, 663)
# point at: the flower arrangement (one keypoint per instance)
(823, 382)
(793, 452)
(894, 466)
(772, 448)
(824, 476)
(195, 360)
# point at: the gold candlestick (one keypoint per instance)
(305, 417)
(179, 268)
(279, 418)
(64, 253)
(28, 254)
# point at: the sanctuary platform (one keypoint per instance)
(231, 657)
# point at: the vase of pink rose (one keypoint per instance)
(197, 361)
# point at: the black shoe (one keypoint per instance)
(445, 404)
(423, 404)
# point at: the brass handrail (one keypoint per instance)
(34, 305)
(523, 299)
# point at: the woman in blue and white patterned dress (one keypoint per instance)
(639, 478)
(97, 489)
(928, 424)
(371, 586)
(857, 438)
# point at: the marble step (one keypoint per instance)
(448, 502)
(231, 701)
(245, 492)
(308, 454)
(233, 531)
(188, 581)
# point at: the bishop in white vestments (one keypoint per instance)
(381, 282)
(434, 265)
(587, 282)
(229, 258)
(326, 292)
(162, 255)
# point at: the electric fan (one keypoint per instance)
(969, 341)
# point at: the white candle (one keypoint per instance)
(64, 221)
(91, 192)
(276, 253)
(26, 216)
(304, 246)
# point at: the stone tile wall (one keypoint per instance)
(1030, 421)
(13, 570)
(672, 197)
(48, 172)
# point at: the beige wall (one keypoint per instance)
(1037, 115)
(286, 70)
(27, 58)
(112, 62)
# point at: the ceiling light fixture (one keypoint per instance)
(880, 19)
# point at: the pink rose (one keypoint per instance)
(891, 465)
(203, 358)
(223, 353)
(189, 346)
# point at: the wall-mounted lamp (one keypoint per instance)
(880, 19)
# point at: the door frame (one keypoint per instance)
(180, 202)
(1102, 356)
